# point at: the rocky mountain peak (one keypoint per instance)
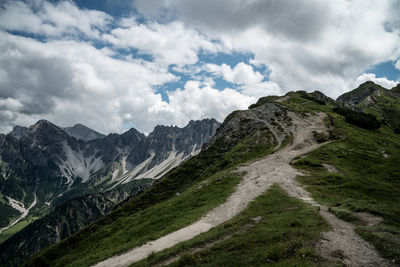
(43, 125)
(82, 132)
(358, 95)
(45, 133)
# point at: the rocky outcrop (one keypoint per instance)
(241, 123)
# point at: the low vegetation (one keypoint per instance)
(275, 229)
(367, 158)
(368, 181)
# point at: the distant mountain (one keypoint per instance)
(45, 164)
(82, 132)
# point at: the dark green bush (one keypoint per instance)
(360, 119)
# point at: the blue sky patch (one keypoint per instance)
(385, 69)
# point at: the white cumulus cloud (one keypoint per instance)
(52, 19)
(170, 43)
(384, 82)
(307, 45)
(240, 74)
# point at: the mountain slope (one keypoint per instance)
(184, 195)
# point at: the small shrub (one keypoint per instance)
(186, 260)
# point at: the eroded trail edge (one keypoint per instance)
(260, 175)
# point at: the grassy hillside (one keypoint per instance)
(368, 177)
(368, 181)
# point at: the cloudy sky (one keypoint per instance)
(117, 64)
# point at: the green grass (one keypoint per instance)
(16, 228)
(301, 105)
(154, 222)
(175, 201)
(284, 236)
(367, 181)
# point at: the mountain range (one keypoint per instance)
(79, 170)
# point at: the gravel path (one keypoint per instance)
(260, 175)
